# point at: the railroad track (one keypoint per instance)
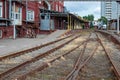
(43, 66)
(12, 55)
(93, 63)
(85, 56)
(112, 54)
(97, 66)
(6, 74)
(12, 61)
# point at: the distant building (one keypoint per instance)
(25, 18)
(109, 9)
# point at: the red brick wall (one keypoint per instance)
(7, 32)
(53, 4)
(60, 5)
(3, 4)
(32, 5)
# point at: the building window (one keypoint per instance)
(60, 9)
(40, 2)
(1, 9)
(56, 7)
(17, 13)
(30, 15)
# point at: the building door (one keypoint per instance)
(47, 24)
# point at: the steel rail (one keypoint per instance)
(76, 64)
(46, 64)
(12, 55)
(78, 67)
(78, 61)
(117, 73)
(2, 75)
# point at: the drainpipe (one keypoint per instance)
(68, 21)
(10, 9)
(50, 21)
(117, 19)
(26, 10)
(14, 29)
(49, 7)
(5, 9)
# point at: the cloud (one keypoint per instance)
(84, 8)
(97, 10)
(74, 6)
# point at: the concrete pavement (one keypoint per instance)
(8, 46)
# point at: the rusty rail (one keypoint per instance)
(2, 75)
(31, 49)
(73, 74)
(77, 66)
(109, 57)
(45, 65)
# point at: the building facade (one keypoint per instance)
(48, 11)
(109, 9)
(21, 15)
(24, 18)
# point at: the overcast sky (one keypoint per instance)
(83, 8)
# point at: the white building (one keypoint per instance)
(109, 9)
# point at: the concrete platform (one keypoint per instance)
(111, 35)
(8, 46)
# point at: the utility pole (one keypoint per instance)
(68, 21)
(14, 29)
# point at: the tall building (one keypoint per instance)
(109, 9)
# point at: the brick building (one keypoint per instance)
(24, 18)
(23, 14)
(48, 20)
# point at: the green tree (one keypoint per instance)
(85, 17)
(103, 19)
(89, 17)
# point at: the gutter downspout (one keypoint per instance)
(10, 5)
(5, 12)
(5, 9)
(26, 10)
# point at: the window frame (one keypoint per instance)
(18, 15)
(30, 15)
(57, 7)
(1, 10)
